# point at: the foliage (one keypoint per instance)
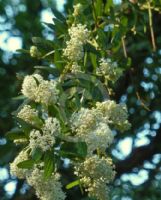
(130, 39)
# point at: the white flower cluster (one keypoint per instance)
(115, 114)
(79, 35)
(39, 90)
(50, 189)
(14, 169)
(95, 173)
(109, 69)
(29, 115)
(90, 127)
(77, 9)
(75, 68)
(34, 52)
(45, 139)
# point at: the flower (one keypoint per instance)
(47, 92)
(115, 114)
(75, 68)
(109, 69)
(49, 189)
(14, 169)
(30, 115)
(77, 9)
(45, 139)
(34, 52)
(95, 173)
(83, 121)
(39, 90)
(79, 32)
(30, 85)
(79, 35)
(73, 50)
(91, 127)
(99, 138)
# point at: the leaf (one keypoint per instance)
(43, 43)
(85, 80)
(51, 70)
(57, 57)
(58, 15)
(72, 184)
(74, 150)
(23, 51)
(26, 164)
(20, 97)
(98, 7)
(49, 25)
(93, 60)
(15, 134)
(85, 59)
(90, 48)
(59, 26)
(58, 112)
(37, 154)
(48, 164)
(108, 5)
(26, 127)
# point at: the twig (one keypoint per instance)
(124, 46)
(151, 26)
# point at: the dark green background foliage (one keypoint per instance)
(139, 87)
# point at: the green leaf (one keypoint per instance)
(89, 82)
(26, 164)
(74, 150)
(108, 5)
(44, 44)
(98, 7)
(15, 134)
(57, 57)
(48, 164)
(93, 60)
(58, 112)
(49, 25)
(26, 127)
(51, 70)
(59, 26)
(90, 48)
(20, 97)
(72, 184)
(58, 15)
(37, 154)
(23, 51)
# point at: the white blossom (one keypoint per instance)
(99, 138)
(29, 115)
(77, 9)
(79, 32)
(95, 173)
(115, 114)
(34, 52)
(14, 169)
(30, 85)
(109, 69)
(45, 139)
(49, 189)
(79, 35)
(47, 92)
(74, 50)
(90, 127)
(83, 121)
(36, 88)
(75, 68)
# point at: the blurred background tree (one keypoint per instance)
(133, 36)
